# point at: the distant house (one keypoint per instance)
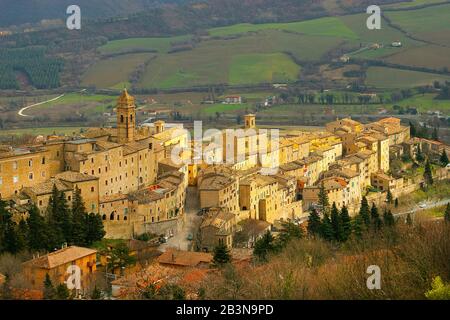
(233, 100)
(56, 265)
(344, 58)
(217, 228)
(185, 259)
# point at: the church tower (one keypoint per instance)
(126, 118)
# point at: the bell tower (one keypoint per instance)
(126, 118)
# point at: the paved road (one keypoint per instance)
(430, 205)
(191, 224)
(20, 113)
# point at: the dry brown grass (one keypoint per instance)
(313, 269)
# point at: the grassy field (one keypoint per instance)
(41, 131)
(329, 26)
(382, 77)
(426, 102)
(430, 24)
(224, 108)
(411, 4)
(256, 68)
(114, 72)
(161, 45)
(429, 56)
(219, 61)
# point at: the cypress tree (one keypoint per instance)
(323, 199)
(336, 223)
(95, 229)
(56, 234)
(64, 217)
(444, 158)
(447, 213)
(364, 212)
(358, 225)
(375, 217)
(5, 218)
(314, 223)
(346, 223)
(79, 220)
(22, 233)
(427, 174)
(263, 246)
(49, 290)
(327, 228)
(221, 255)
(38, 233)
(11, 239)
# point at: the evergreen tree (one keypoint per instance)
(375, 217)
(323, 199)
(62, 293)
(389, 196)
(221, 255)
(263, 246)
(314, 223)
(364, 212)
(79, 220)
(38, 233)
(64, 218)
(427, 174)
(22, 234)
(346, 223)
(49, 289)
(447, 213)
(11, 240)
(56, 234)
(396, 202)
(444, 158)
(290, 231)
(336, 223)
(95, 229)
(120, 258)
(388, 218)
(327, 228)
(5, 220)
(358, 225)
(409, 219)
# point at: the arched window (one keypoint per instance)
(111, 216)
(121, 118)
(104, 217)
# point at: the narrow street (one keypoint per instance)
(191, 223)
(429, 205)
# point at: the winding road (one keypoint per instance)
(20, 113)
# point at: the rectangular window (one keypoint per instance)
(15, 165)
(30, 176)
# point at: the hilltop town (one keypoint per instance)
(230, 194)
